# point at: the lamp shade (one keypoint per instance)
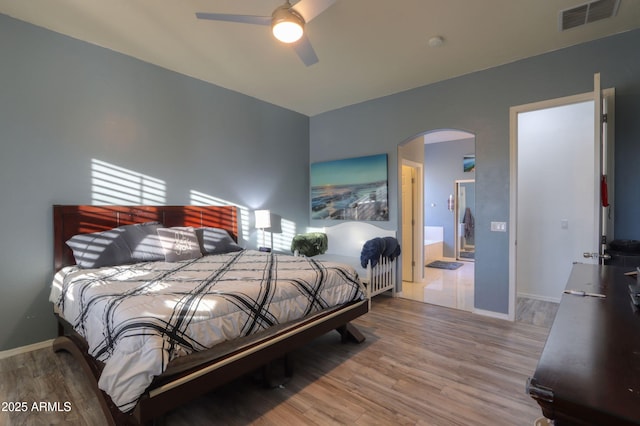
(263, 219)
(287, 32)
(286, 25)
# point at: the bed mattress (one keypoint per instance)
(137, 318)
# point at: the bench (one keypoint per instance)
(345, 241)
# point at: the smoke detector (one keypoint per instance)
(587, 13)
(436, 41)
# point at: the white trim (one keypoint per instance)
(24, 349)
(491, 314)
(456, 216)
(513, 174)
(418, 217)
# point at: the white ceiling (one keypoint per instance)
(367, 48)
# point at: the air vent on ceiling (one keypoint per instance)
(588, 12)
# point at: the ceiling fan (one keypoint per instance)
(287, 24)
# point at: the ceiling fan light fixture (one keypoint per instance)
(287, 26)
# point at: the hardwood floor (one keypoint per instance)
(536, 312)
(420, 365)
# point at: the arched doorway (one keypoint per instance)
(435, 231)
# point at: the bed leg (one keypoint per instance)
(350, 332)
(268, 377)
(160, 421)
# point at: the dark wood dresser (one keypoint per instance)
(589, 370)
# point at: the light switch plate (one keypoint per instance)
(499, 226)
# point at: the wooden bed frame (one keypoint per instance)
(171, 390)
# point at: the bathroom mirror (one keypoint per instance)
(465, 220)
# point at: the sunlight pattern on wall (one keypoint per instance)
(197, 198)
(282, 240)
(111, 184)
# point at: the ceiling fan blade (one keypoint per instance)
(305, 51)
(243, 19)
(309, 9)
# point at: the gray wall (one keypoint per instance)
(442, 167)
(64, 103)
(479, 103)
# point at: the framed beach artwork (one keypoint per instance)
(469, 163)
(350, 189)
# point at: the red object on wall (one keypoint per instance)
(604, 194)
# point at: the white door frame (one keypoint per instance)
(513, 169)
(418, 217)
(456, 216)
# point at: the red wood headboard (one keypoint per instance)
(72, 220)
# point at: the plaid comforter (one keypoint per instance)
(137, 318)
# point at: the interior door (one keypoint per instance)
(408, 222)
(558, 215)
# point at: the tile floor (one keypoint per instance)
(443, 287)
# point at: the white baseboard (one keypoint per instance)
(538, 297)
(482, 312)
(491, 314)
(24, 349)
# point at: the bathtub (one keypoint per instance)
(433, 242)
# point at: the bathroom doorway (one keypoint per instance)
(446, 280)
